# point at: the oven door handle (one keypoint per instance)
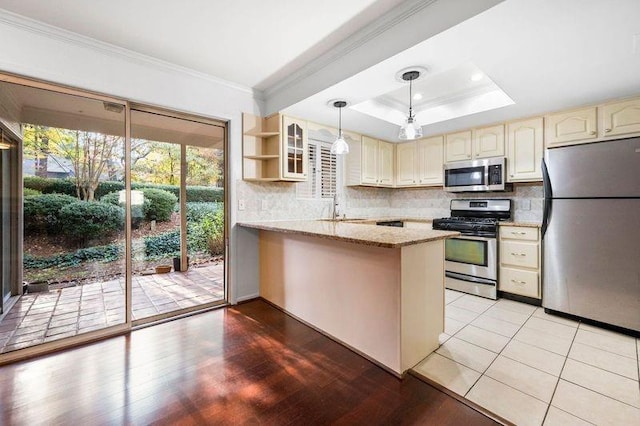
(472, 237)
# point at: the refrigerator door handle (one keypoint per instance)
(548, 197)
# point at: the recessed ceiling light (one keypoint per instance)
(477, 76)
(417, 96)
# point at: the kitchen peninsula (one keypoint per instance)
(378, 290)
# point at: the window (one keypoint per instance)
(322, 173)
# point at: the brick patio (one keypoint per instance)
(42, 317)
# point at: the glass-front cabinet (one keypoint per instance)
(295, 149)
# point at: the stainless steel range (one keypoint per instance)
(471, 260)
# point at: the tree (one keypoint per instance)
(41, 141)
(91, 153)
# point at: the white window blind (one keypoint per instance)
(322, 173)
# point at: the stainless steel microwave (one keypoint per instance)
(487, 174)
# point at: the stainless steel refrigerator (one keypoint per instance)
(591, 231)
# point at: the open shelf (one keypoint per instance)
(262, 157)
(262, 134)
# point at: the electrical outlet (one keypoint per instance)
(264, 205)
(525, 204)
(240, 205)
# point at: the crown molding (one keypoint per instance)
(351, 43)
(49, 31)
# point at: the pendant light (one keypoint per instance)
(410, 129)
(340, 146)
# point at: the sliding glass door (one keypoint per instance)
(178, 173)
(9, 222)
(121, 220)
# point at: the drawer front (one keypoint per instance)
(520, 254)
(519, 233)
(518, 281)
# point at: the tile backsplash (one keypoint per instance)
(278, 201)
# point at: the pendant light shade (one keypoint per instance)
(410, 129)
(340, 146)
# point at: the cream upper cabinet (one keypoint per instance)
(295, 148)
(565, 128)
(488, 142)
(385, 164)
(620, 118)
(525, 147)
(406, 164)
(458, 146)
(369, 160)
(430, 156)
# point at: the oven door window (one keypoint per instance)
(468, 176)
(472, 252)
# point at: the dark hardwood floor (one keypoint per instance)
(249, 364)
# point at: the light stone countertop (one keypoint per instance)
(355, 231)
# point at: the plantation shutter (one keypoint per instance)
(328, 175)
(322, 173)
(308, 189)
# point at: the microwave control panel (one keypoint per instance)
(495, 174)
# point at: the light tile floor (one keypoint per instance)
(42, 317)
(532, 368)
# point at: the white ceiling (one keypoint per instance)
(443, 96)
(251, 42)
(546, 55)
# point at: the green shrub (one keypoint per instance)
(35, 182)
(213, 227)
(107, 187)
(68, 186)
(84, 220)
(42, 212)
(207, 235)
(137, 211)
(112, 198)
(204, 194)
(28, 191)
(163, 245)
(108, 253)
(160, 206)
(197, 211)
(61, 186)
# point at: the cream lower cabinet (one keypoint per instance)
(525, 148)
(370, 162)
(520, 261)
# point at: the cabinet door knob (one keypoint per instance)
(593, 132)
(518, 233)
(607, 130)
(469, 156)
(518, 254)
(518, 282)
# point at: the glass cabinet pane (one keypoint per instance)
(291, 160)
(298, 137)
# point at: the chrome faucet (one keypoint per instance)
(334, 216)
